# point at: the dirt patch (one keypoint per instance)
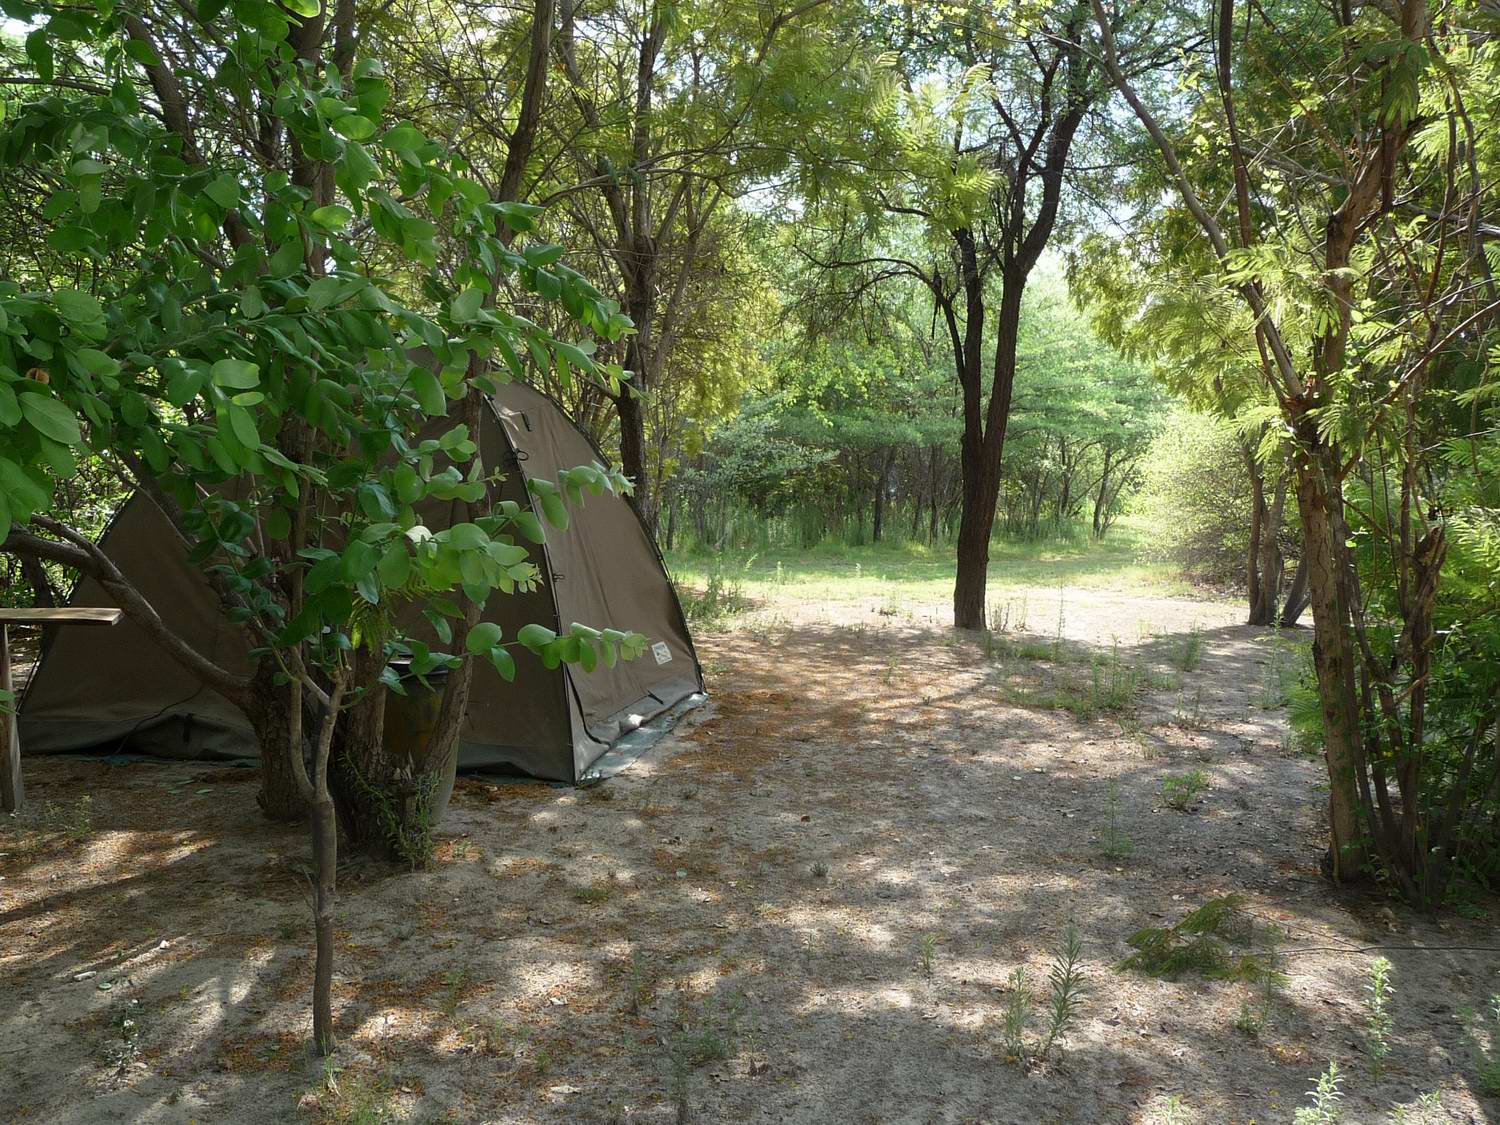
(738, 922)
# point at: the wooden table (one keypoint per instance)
(12, 792)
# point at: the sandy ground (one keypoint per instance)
(733, 930)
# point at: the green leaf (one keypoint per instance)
(408, 484)
(10, 409)
(466, 305)
(504, 663)
(242, 422)
(252, 304)
(520, 217)
(70, 239)
(96, 362)
(141, 52)
(225, 191)
(359, 561)
(278, 523)
(50, 417)
(309, 9)
(78, 308)
(483, 637)
(236, 373)
(354, 127)
(332, 217)
(395, 564)
(404, 139)
(535, 637)
(324, 292)
(26, 496)
(429, 391)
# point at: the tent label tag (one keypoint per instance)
(662, 653)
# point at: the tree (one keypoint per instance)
(961, 191)
(1353, 241)
(242, 272)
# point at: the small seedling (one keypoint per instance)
(1017, 1012)
(1378, 1021)
(819, 870)
(75, 821)
(597, 893)
(1181, 791)
(1426, 1109)
(1187, 654)
(1065, 994)
(927, 953)
(1114, 844)
(1065, 985)
(454, 983)
(700, 1041)
(1189, 710)
(1327, 1098)
(640, 986)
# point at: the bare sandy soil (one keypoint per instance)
(738, 922)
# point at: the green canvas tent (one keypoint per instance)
(116, 690)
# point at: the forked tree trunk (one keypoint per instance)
(1296, 595)
(1333, 659)
(982, 453)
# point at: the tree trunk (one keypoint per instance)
(633, 454)
(1262, 606)
(933, 514)
(1296, 595)
(881, 483)
(1101, 498)
(279, 798)
(1272, 563)
(357, 770)
(976, 522)
(1333, 661)
(325, 843)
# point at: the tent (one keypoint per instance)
(117, 690)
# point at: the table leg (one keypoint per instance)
(12, 792)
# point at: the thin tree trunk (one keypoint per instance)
(881, 483)
(1333, 662)
(325, 846)
(1296, 595)
(1262, 608)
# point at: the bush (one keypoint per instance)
(1196, 500)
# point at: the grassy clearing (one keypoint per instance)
(902, 574)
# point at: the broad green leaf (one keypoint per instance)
(429, 391)
(466, 305)
(483, 637)
(332, 217)
(504, 663)
(535, 637)
(50, 417)
(225, 191)
(354, 127)
(79, 308)
(237, 373)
